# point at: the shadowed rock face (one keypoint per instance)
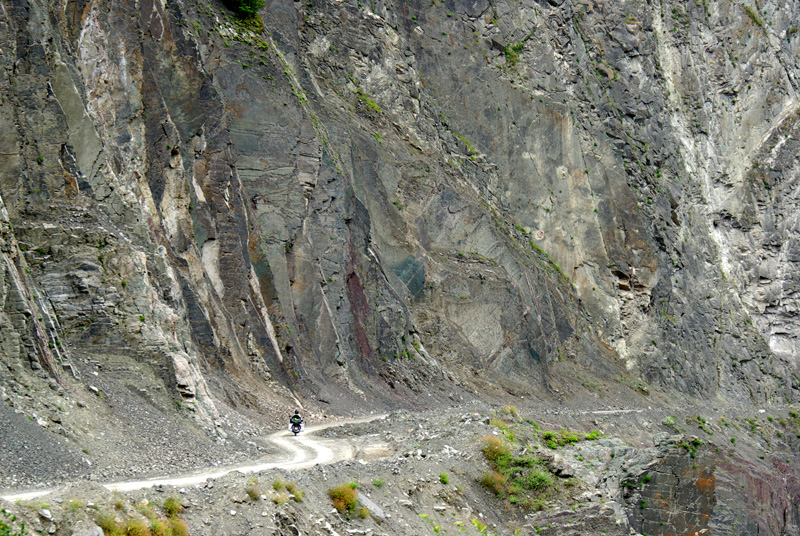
(686, 486)
(678, 496)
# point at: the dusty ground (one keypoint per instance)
(397, 463)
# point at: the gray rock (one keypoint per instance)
(374, 510)
(561, 467)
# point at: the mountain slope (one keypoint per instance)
(393, 205)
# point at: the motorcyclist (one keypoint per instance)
(296, 419)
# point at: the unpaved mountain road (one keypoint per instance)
(307, 450)
(304, 450)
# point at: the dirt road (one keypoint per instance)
(304, 450)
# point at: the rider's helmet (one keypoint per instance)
(297, 412)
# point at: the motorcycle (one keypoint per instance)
(295, 428)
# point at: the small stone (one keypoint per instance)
(45, 513)
(233, 512)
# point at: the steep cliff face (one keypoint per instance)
(399, 203)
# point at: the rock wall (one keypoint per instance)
(400, 203)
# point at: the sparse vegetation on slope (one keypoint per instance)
(344, 498)
(246, 8)
(7, 523)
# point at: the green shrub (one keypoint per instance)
(344, 498)
(246, 8)
(277, 485)
(172, 506)
(537, 505)
(378, 482)
(559, 439)
(538, 480)
(591, 436)
(512, 52)
(567, 437)
(494, 482)
(363, 513)
(444, 478)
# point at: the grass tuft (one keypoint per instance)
(75, 504)
(108, 522)
(296, 493)
(172, 506)
(136, 526)
(493, 448)
(510, 409)
(178, 527)
(253, 492)
(281, 498)
(160, 527)
(146, 510)
(538, 480)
